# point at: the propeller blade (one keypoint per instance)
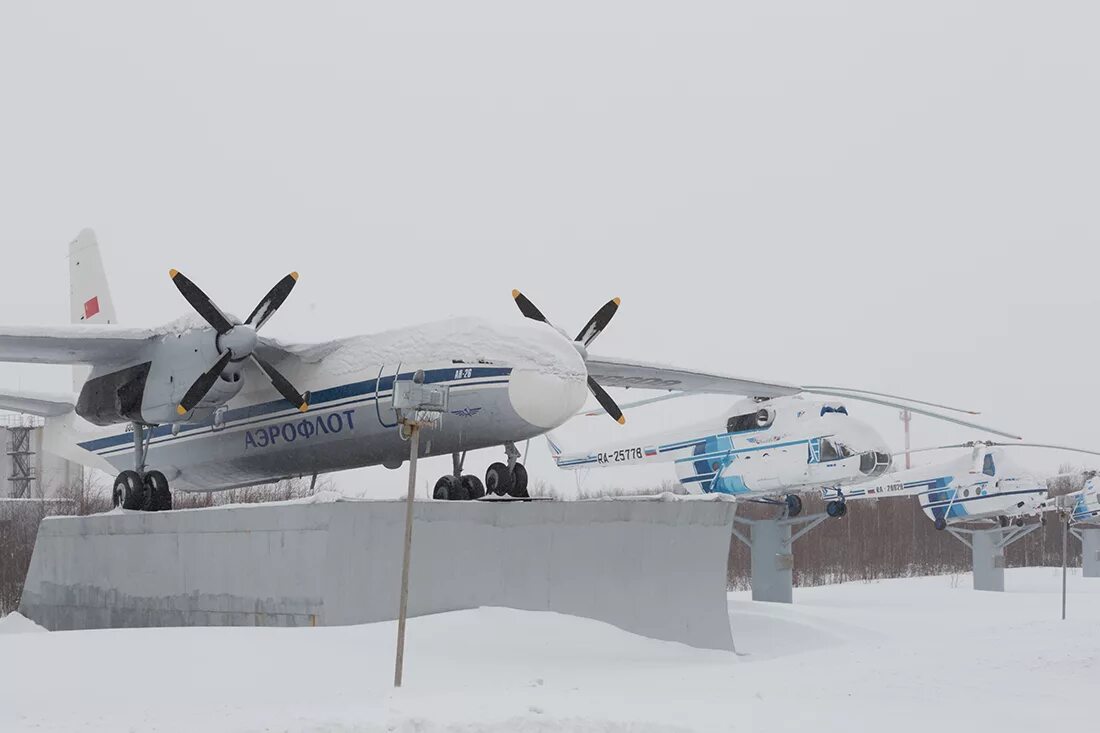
(203, 384)
(201, 302)
(282, 384)
(271, 302)
(597, 323)
(528, 308)
(605, 399)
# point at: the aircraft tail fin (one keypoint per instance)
(89, 293)
(555, 446)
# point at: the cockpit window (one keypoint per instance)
(987, 466)
(828, 451)
(826, 409)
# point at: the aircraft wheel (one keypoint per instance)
(158, 497)
(519, 482)
(498, 479)
(836, 508)
(445, 488)
(128, 491)
(1019, 522)
(940, 524)
(474, 488)
(794, 505)
(1002, 520)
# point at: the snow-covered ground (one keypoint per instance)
(898, 655)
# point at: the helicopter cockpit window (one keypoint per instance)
(832, 450)
(841, 409)
(987, 466)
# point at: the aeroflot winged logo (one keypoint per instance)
(466, 411)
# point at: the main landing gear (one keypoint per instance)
(794, 505)
(837, 507)
(502, 479)
(141, 490)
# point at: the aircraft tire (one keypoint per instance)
(794, 505)
(158, 497)
(129, 489)
(836, 508)
(498, 480)
(444, 488)
(940, 524)
(474, 488)
(519, 482)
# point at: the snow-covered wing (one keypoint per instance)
(34, 403)
(75, 344)
(644, 375)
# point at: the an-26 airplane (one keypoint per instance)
(984, 485)
(761, 449)
(208, 404)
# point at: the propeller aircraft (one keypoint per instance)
(207, 403)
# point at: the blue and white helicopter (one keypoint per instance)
(984, 485)
(764, 449)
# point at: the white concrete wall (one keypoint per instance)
(656, 568)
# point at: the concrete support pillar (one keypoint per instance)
(988, 555)
(772, 562)
(772, 558)
(987, 551)
(1090, 552)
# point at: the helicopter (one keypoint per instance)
(984, 485)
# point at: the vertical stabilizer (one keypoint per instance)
(89, 295)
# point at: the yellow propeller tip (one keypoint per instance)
(303, 407)
(295, 276)
(515, 293)
(172, 273)
(621, 420)
(617, 301)
(181, 409)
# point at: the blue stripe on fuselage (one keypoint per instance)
(370, 388)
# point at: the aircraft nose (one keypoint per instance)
(546, 400)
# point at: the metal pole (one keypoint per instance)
(399, 664)
(1065, 534)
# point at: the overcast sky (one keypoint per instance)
(867, 194)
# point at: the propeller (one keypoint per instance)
(595, 326)
(236, 341)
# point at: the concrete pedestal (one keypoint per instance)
(1090, 551)
(772, 558)
(987, 551)
(656, 568)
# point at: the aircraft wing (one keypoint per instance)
(34, 403)
(644, 375)
(76, 344)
